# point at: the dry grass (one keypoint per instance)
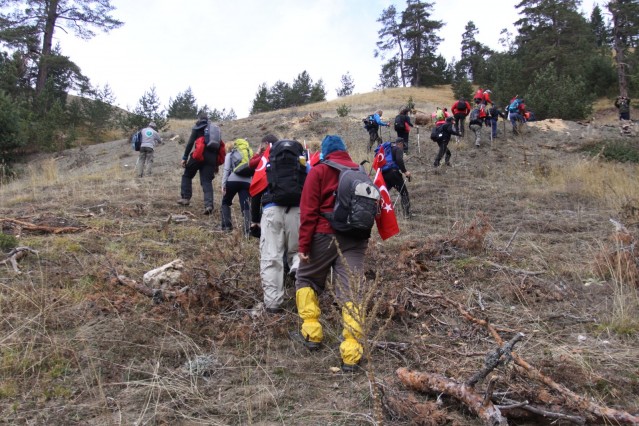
(507, 231)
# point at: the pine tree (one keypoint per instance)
(473, 53)
(421, 42)
(347, 86)
(599, 28)
(390, 41)
(625, 32)
(260, 102)
(552, 31)
(184, 105)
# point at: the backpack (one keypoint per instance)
(461, 106)
(240, 166)
(399, 123)
(285, 173)
(212, 136)
(370, 123)
(356, 202)
(474, 115)
(437, 134)
(136, 141)
(514, 106)
(388, 156)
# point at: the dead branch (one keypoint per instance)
(15, 255)
(158, 295)
(510, 411)
(432, 382)
(500, 355)
(42, 228)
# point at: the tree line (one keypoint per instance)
(559, 60)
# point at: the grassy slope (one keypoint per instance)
(512, 232)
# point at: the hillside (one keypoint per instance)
(515, 237)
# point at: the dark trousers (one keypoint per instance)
(404, 135)
(324, 255)
(459, 122)
(394, 179)
(207, 173)
(256, 208)
(444, 152)
(375, 139)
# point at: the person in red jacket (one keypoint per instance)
(460, 110)
(486, 97)
(479, 96)
(256, 199)
(320, 249)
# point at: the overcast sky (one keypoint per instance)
(224, 50)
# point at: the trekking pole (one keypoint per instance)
(419, 149)
(400, 194)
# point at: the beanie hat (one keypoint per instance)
(152, 124)
(330, 144)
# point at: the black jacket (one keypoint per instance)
(210, 156)
(448, 130)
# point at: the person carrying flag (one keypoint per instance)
(392, 168)
(259, 183)
(320, 248)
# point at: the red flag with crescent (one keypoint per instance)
(380, 159)
(386, 221)
(259, 181)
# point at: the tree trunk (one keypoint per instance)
(618, 45)
(47, 45)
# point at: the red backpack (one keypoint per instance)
(200, 146)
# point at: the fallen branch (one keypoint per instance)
(42, 228)
(158, 295)
(510, 412)
(431, 382)
(15, 255)
(494, 358)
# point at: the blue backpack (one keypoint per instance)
(388, 156)
(136, 141)
(514, 107)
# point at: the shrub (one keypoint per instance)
(8, 242)
(623, 151)
(343, 110)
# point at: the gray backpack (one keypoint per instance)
(356, 202)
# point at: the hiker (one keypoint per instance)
(491, 120)
(150, 139)
(514, 114)
(320, 249)
(446, 131)
(392, 171)
(286, 172)
(236, 179)
(486, 97)
(256, 198)
(476, 121)
(460, 110)
(207, 168)
(374, 121)
(479, 96)
(623, 105)
(403, 126)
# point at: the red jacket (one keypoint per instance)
(318, 196)
(456, 110)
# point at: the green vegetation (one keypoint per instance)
(621, 150)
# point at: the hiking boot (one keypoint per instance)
(184, 202)
(350, 368)
(255, 230)
(208, 211)
(277, 310)
(448, 164)
(292, 274)
(296, 336)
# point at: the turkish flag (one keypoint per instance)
(386, 221)
(314, 158)
(259, 182)
(379, 160)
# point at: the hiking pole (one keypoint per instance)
(400, 194)
(419, 149)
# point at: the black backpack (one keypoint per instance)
(370, 123)
(399, 123)
(356, 202)
(285, 174)
(461, 106)
(136, 141)
(437, 134)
